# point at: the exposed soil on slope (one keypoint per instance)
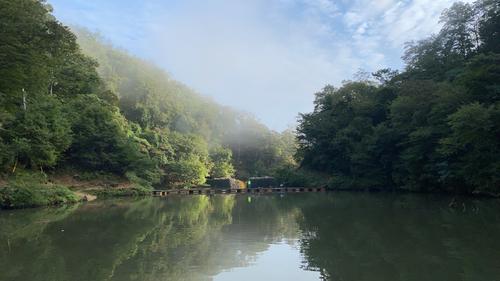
(79, 186)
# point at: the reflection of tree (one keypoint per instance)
(192, 247)
(157, 237)
(28, 223)
(22, 227)
(173, 238)
(372, 237)
(183, 237)
(255, 225)
(353, 236)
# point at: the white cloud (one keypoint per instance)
(352, 18)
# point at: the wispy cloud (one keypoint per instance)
(268, 57)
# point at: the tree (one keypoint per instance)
(337, 137)
(37, 136)
(100, 142)
(461, 30)
(78, 76)
(472, 149)
(489, 26)
(32, 45)
(221, 166)
(481, 76)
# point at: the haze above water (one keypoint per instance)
(303, 236)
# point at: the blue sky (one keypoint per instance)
(265, 56)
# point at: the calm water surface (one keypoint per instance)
(306, 236)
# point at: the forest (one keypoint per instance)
(73, 103)
(432, 127)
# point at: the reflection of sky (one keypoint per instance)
(350, 236)
(279, 262)
(268, 57)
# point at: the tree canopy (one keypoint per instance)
(70, 100)
(433, 127)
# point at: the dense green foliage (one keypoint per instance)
(26, 190)
(433, 127)
(71, 101)
(292, 176)
(188, 136)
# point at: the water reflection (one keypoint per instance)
(410, 237)
(332, 236)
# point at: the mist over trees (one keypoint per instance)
(90, 107)
(433, 127)
(71, 102)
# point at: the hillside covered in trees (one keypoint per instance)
(72, 103)
(435, 126)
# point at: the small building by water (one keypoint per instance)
(266, 182)
(219, 183)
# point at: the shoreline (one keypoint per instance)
(33, 190)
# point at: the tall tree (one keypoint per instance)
(32, 45)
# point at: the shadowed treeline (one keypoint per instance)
(433, 127)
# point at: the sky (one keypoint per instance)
(265, 56)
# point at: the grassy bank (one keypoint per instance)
(134, 190)
(28, 189)
(25, 195)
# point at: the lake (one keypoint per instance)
(295, 236)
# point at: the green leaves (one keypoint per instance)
(434, 127)
(329, 137)
(32, 44)
(37, 136)
(482, 78)
(473, 148)
(101, 143)
(221, 158)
